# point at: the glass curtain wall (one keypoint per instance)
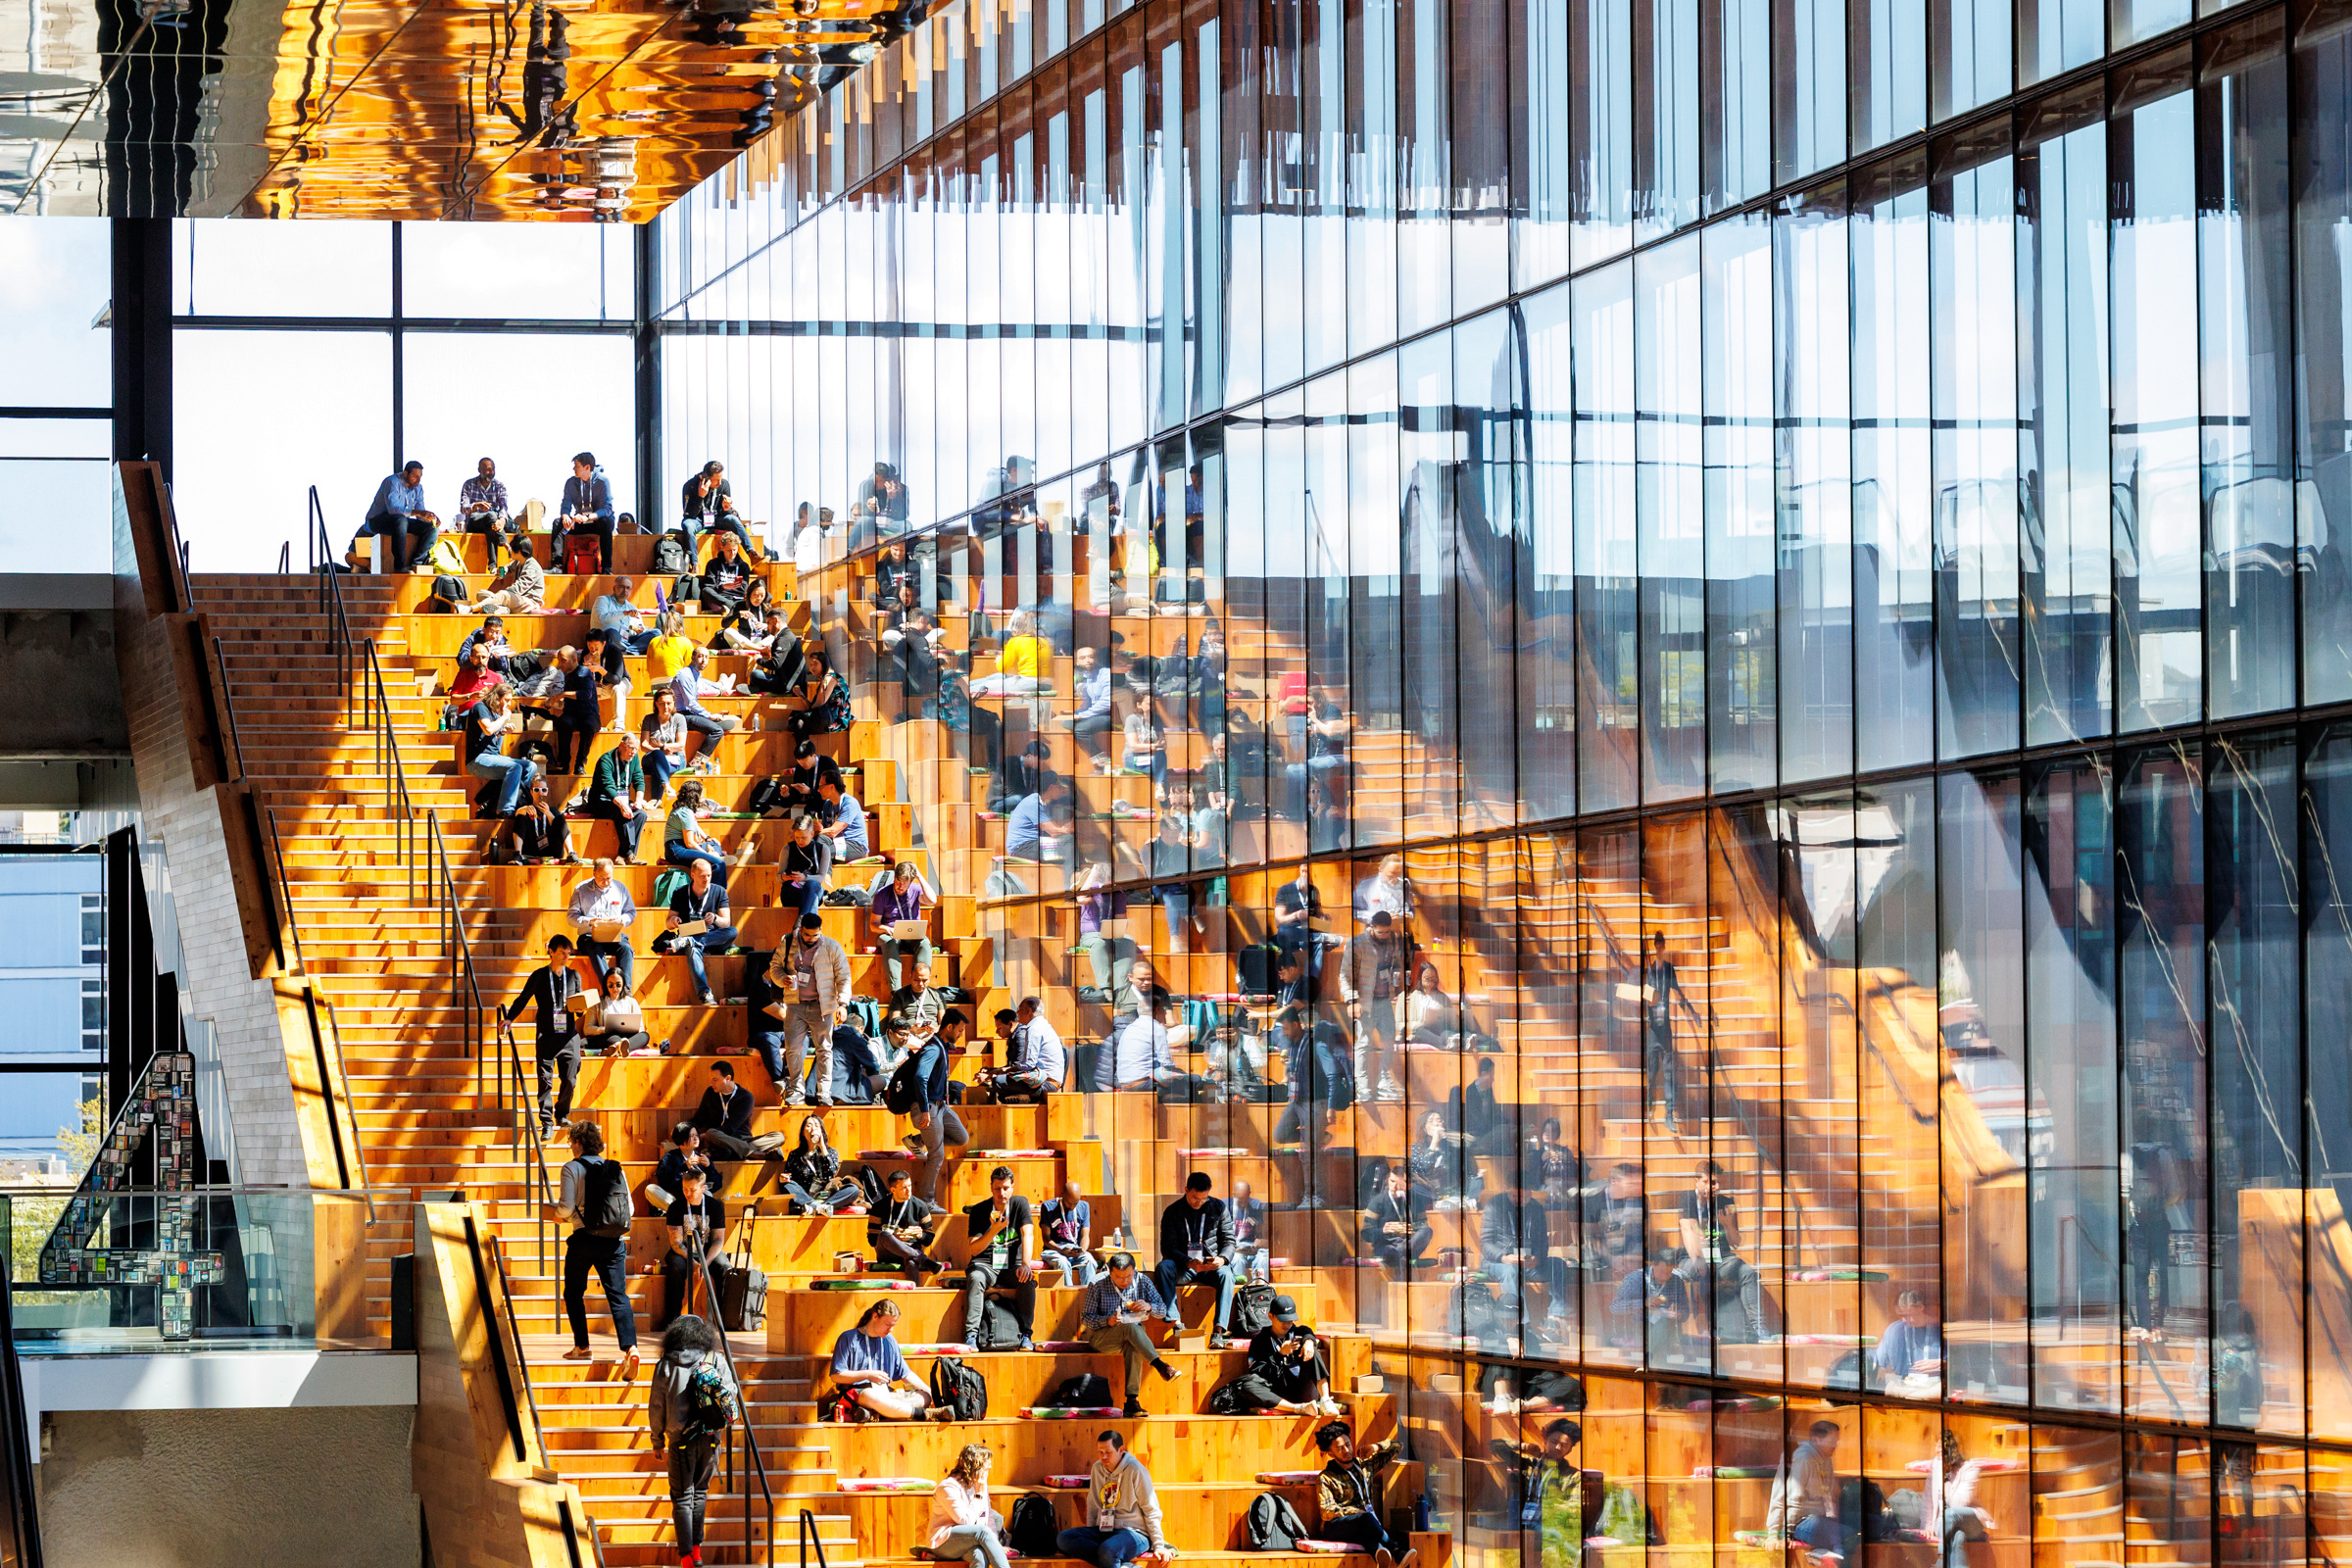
(1706, 637)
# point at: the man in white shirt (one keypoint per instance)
(601, 898)
(1034, 1057)
(1141, 1056)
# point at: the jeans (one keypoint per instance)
(1176, 903)
(1551, 1272)
(841, 1192)
(631, 823)
(692, 1462)
(1105, 1548)
(803, 899)
(724, 522)
(558, 1059)
(945, 1128)
(1108, 958)
(1078, 1265)
(1663, 1066)
(517, 774)
(1821, 1532)
(1375, 1045)
(659, 767)
(892, 950)
(710, 941)
(973, 1543)
(1171, 1272)
(607, 1258)
(709, 728)
(601, 955)
(1396, 1251)
(677, 854)
(807, 1033)
(1729, 1273)
(889, 1252)
(981, 1278)
(619, 1041)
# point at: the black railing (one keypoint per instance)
(810, 1538)
(326, 568)
(375, 718)
(21, 1530)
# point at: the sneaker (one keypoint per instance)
(1328, 1406)
(706, 999)
(825, 1103)
(1217, 1341)
(1165, 1370)
(1389, 1090)
(1027, 1342)
(1094, 993)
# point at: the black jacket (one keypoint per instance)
(731, 1115)
(1180, 1223)
(1386, 1210)
(1513, 1226)
(534, 837)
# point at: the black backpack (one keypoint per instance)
(1274, 1525)
(999, 1330)
(672, 556)
(1253, 1310)
(1031, 1529)
(448, 594)
(766, 796)
(687, 588)
(957, 1389)
(1085, 1391)
(523, 666)
(605, 1206)
(898, 1096)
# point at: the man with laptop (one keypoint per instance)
(895, 922)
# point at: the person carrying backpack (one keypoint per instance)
(693, 1403)
(964, 1528)
(595, 1198)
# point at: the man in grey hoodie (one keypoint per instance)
(1122, 1508)
(689, 1344)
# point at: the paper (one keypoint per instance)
(694, 928)
(607, 930)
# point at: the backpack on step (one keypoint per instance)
(958, 1388)
(1087, 1391)
(672, 557)
(1031, 1528)
(605, 1207)
(584, 554)
(666, 885)
(999, 1330)
(1273, 1524)
(1253, 1310)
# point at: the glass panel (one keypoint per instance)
(1671, 508)
(2247, 369)
(2326, 819)
(56, 280)
(1430, 703)
(235, 513)
(2160, 887)
(58, 513)
(1543, 170)
(2062, 329)
(1889, 93)
(1608, 628)
(2070, 1088)
(1810, 86)
(1490, 531)
(227, 267)
(1546, 581)
(2322, 178)
(1742, 704)
(1734, 151)
(2158, 561)
(1813, 469)
(537, 270)
(1984, 1119)
(1893, 495)
(1600, 63)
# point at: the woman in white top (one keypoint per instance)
(963, 1526)
(615, 1022)
(1951, 1504)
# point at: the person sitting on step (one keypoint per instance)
(1350, 1500)
(868, 1366)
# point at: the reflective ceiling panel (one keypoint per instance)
(602, 110)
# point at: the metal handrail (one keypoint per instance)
(810, 1538)
(229, 706)
(376, 717)
(750, 1442)
(324, 568)
(506, 1078)
(505, 1302)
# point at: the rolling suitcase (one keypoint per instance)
(743, 1300)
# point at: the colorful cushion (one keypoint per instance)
(943, 1347)
(1331, 1547)
(1069, 1412)
(1286, 1477)
(1067, 1483)
(885, 1484)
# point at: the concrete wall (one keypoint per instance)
(64, 661)
(228, 1489)
(265, 1146)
